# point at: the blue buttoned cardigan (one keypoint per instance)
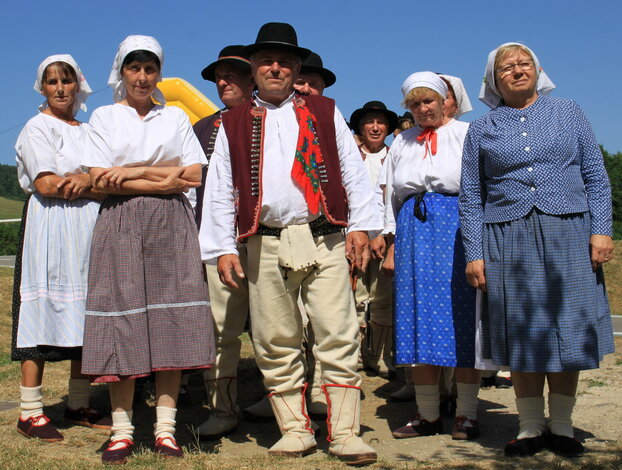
(544, 156)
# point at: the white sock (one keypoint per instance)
(466, 401)
(79, 393)
(165, 422)
(428, 401)
(32, 402)
(122, 425)
(530, 417)
(560, 414)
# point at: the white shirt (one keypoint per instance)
(407, 172)
(119, 137)
(47, 144)
(283, 203)
(373, 163)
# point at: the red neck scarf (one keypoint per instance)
(429, 138)
(308, 156)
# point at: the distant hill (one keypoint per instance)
(9, 187)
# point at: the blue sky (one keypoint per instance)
(371, 46)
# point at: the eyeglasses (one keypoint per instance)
(508, 69)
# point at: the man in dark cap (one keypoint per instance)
(313, 77)
(231, 73)
(374, 290)
(288, 176)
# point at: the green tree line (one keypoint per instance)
(10, 189)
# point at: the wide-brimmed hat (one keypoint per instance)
(233, 55)
(277, 36)
(378, 106)
(313, 64)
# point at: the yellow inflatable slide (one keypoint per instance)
(178, 92)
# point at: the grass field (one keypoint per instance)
(246, 450)
(10, 208)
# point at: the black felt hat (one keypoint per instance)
(233, 55)
(313, 64)
(379, 106)
(277, 36)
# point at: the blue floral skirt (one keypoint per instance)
(434, 305)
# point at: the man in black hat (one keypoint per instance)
(288, 176)
(313, 77)
(231, 73)
(374, 290)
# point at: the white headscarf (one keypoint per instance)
(462, 99)
(131, 44)
(424, 79)
(84, 90)
(489, 94)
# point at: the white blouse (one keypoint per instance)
(119, 137)
(47, 144)
(408, 172)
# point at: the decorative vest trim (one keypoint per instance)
(244, 126)
(206, 131)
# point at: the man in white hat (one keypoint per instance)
(286, 173)
(231, 73)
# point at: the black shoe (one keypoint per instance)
(564, 445)
(525, 447)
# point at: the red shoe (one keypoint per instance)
(39, 427)
(167, 447)
(89, 417)
(119, 455)
(465, 429)
(419, 427)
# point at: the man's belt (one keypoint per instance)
(320, 226)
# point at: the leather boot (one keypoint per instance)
(223, 418)
(291, 415)
(344, 408)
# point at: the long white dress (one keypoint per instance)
(57, 237)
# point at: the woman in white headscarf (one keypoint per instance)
(535, 207)
(434, 306)
(147, 305)
(50, 275)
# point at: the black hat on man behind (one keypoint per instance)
(280, 36)
(313, 64)
(379, 106)
(233, 55)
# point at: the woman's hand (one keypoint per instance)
(74, 185)
(388, 265)
(601, 250)
(175, 184)
(114, 177)
(378, 247)
(475, 274)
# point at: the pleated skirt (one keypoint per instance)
(546, 309)
(147, 305)
(434, 305)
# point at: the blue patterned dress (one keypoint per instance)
(434, 305)
(534, 188)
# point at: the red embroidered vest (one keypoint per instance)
(245, 133)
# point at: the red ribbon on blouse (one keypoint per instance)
(429, 136)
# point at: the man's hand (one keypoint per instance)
(601, 250)
(227, 265)
(357, 249)
(379, 247)
(388, 265)
(475, 274)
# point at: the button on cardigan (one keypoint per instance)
(544, 156)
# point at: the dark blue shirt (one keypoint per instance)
(544, 156)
